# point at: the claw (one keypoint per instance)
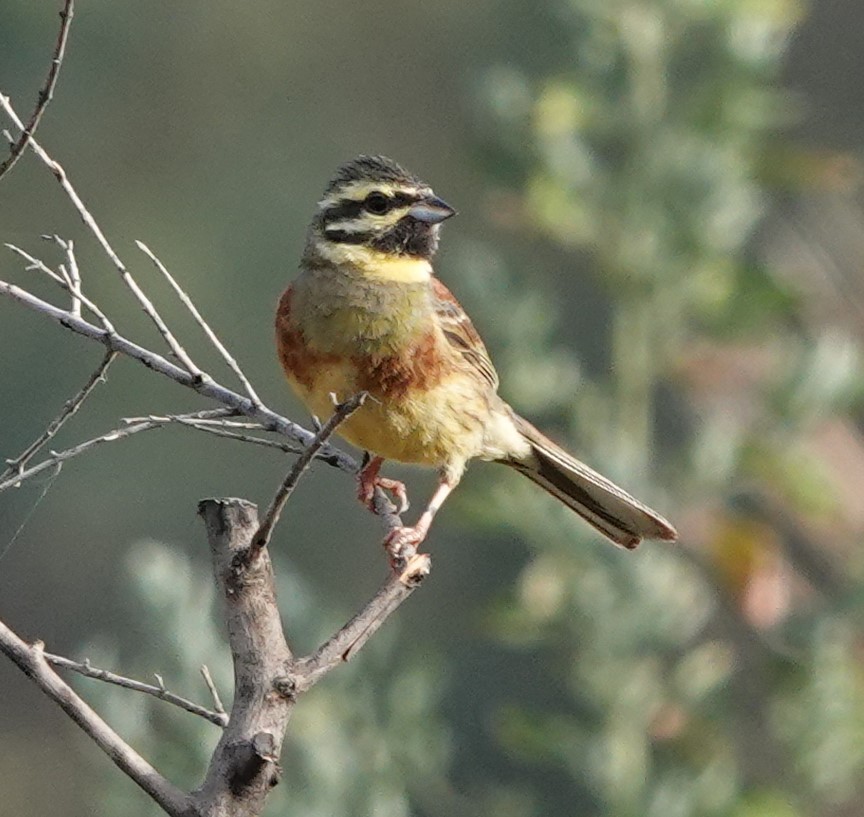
(368, 480)
(401, 546)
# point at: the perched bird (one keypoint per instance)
(367, 314)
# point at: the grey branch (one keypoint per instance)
(344, 644)
(46, 93)
(219, 428)
(268, 678)
(30, 659)
(87, 669)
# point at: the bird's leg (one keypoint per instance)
(368, 480)
(401, 543)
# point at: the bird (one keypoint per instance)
(368, 314)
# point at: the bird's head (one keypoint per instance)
(374, 205)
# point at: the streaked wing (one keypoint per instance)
(461, 334)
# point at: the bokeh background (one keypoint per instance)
(661, 238)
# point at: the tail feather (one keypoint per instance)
(617, 515)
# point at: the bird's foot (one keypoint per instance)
(407, 563)
(367, 483)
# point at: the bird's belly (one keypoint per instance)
(436, 425)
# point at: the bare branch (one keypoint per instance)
(69, 409)
(37, 264)
(145, 303)
(31, 660)
(344, 644)
(342, 412)
(85, 668)
(46, 92)
(187, 301)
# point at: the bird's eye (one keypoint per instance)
(376, 203)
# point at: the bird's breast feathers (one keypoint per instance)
(421, 409)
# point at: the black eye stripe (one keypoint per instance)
(351, 208)
(341, 237)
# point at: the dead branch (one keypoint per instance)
(156, 690)
(268, 679)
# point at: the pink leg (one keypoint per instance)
(401, 543)
(368, 480)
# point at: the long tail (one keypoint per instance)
(616, 514)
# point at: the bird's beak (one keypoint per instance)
(432, 210)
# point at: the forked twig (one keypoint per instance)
(69, 286)
(73, 274)
(46, 92)
(157, 691)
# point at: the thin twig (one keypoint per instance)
(341, 413)
(60, 174)
(46, 92)
(215, 424)
(17, 465)
(74, 274)
(49, 483)
(29, 658)
(218, 706)
(37, 264)
(86, 668)
(187, 302)
(217, 431)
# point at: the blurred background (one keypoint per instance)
(660, 237)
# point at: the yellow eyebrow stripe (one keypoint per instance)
(357, 191)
